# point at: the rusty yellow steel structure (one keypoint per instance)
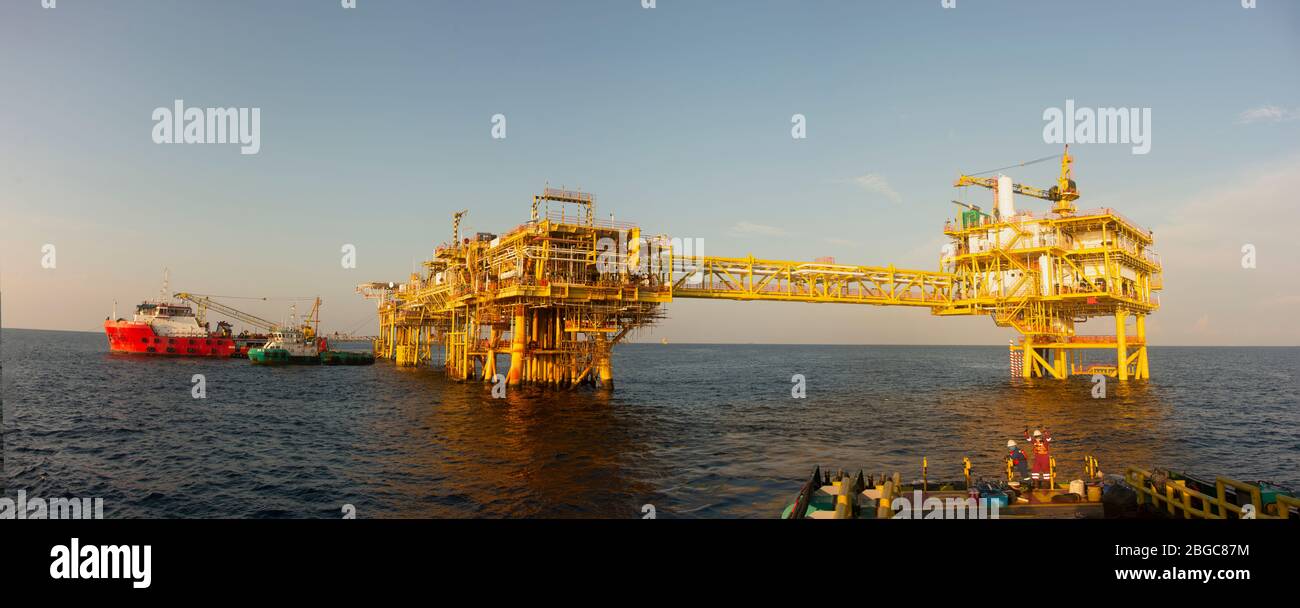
(557, 293)
(754, 279)
(535, 293)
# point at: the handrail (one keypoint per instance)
(1221, 485)
(1284, 504)
(1178, 498)
(1138, 478)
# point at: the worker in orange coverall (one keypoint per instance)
(1041, 455)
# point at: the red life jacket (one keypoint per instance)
(1040, 447)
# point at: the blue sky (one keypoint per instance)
(375, 126)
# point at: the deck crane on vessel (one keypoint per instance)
(205, 303)
(310, 325)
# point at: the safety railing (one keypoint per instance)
(1111, 212)
(1178, 499)
(1284, 504)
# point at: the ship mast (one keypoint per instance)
(162, 294)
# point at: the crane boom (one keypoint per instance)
(204, 303)
(311, 325)
(1064, 193)
(992, 184)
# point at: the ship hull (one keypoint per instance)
(139, 338)
(279, 356)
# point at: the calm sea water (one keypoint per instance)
(695, 430)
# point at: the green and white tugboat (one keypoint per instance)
(302, 345)
(288, 346)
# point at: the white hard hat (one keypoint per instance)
(1011, 443)
(1038, 433)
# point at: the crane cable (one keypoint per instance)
(357, 326)
(1028, 162)
(208, 295)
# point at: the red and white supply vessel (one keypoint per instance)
(164, 327)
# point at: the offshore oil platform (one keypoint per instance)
(557, 292)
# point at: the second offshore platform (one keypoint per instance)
(557, 292)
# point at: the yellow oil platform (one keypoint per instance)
(559, 291)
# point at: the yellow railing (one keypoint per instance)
(1284, 504)
(1091, 467)
(1221, 485)
(1190, 503)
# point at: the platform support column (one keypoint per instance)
(517, 348)
(490, 364)
(603, 350)
(1143, 368)
(467, 362)
(1121, 347)
(1027, 366)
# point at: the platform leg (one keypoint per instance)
(517, 348)
(1121, 349)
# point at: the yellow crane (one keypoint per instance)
(310, 325)
(206, 303)
(1064, 193)
(455, 226)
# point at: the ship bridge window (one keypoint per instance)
(145, 340)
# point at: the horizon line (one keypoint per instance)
(652, 343)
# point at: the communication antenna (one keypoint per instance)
(166, 286)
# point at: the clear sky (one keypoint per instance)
(375, 127)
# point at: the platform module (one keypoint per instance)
(557, 292)
(1044, 274)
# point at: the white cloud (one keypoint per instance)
(1268, 113)
(872, 182)
(744, 228)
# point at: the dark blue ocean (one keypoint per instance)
(696, 430)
